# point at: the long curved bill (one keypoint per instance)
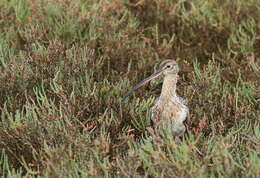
(143, 82)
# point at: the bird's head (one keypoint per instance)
(167, 67)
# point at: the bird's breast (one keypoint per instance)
(170, 110)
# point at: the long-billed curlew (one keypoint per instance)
(169, 108)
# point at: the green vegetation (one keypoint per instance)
(66, 63)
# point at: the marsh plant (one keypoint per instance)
(65, 65)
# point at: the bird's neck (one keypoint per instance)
(169, 87)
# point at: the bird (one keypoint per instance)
(169, 109)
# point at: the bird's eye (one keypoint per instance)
(168, 66)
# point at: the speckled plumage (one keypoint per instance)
(169, 107)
